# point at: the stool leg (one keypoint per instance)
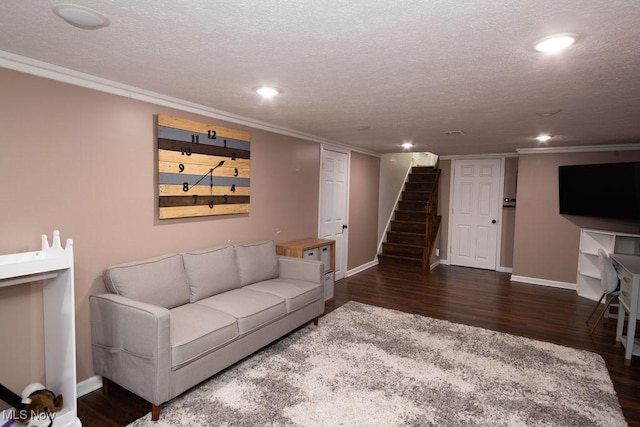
(594, 309)
(601, 315)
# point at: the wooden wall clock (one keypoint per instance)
(202, 169)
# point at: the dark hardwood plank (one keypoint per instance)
(486, 299)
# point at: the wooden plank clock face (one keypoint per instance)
(202, 169)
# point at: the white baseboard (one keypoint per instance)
(446, 262)
(90, 384)
(84, 387)
(361, 268)
(543, 282)
(434, 265)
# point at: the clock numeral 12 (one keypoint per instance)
(211, 134)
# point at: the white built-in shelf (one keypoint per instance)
(588, 280)
(54, 266)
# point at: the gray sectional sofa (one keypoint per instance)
(170, 322)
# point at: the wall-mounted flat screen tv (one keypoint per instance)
(605, 190)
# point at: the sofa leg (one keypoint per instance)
(105, 385)
(155, 412)
(315, 320)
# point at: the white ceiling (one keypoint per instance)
(407, 70)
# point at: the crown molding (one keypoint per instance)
(54, 72)
(578, 149)
(477, 156)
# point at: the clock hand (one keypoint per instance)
(208, 173)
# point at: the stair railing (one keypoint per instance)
(432, 223)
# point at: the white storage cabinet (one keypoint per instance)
(588, 280)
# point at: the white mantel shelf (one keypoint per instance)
(54, 266)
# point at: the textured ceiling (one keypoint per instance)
(404, 70)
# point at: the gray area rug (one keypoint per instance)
(369, 366)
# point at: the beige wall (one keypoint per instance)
(363, 209)
(508, 214)
(84, 162)
(546, 243)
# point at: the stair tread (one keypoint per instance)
(408, 233)
(409, 258)
(404, 245)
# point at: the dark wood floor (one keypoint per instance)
(474, 297)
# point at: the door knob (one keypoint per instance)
(344, 226)
(493, 221)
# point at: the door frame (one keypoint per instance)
(453, 159)
(345, 238)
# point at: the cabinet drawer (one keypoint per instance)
(310, 254)
(325, 256)
(328, 286)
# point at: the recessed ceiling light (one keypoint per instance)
(548, 113)
(80, 16)
(555, 43)
(267, 91)
(407, 145)
(543, 138)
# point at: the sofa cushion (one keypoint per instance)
(159, 281)
(211, 271)
(197, 330)
(296, 293)
(256, 261)
(252, 309)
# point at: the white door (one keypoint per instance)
(474, 220)
(333, 204)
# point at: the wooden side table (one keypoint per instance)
(316, 249)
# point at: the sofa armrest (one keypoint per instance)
(131, 345)
(301, 269)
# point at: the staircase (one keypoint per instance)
(412, 232)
